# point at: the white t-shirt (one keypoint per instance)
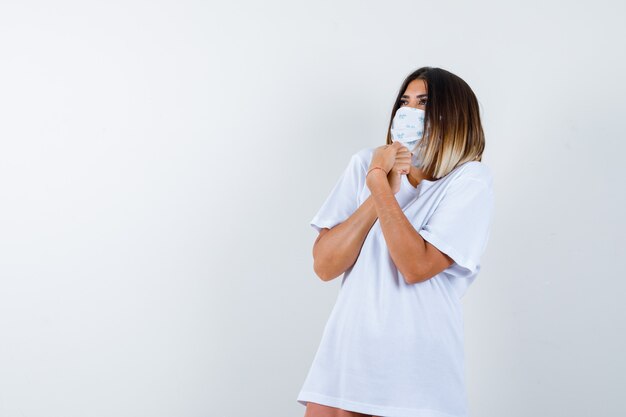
(390, 348)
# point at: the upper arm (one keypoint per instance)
(343, 199)
(458, 228)
(323, 231)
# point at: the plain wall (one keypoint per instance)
(160, 163)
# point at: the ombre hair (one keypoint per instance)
(453, 133)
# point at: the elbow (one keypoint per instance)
(326, 270)
(318, 261)
(413, 277)
(416, 278)
(321, 272)
(324, 265)
(410, 279)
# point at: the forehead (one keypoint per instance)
(416, 87)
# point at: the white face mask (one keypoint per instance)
(407, 127)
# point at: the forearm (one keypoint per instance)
(339, 248)
(406, 246)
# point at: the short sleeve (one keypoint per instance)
(343, 198)
(461, 222)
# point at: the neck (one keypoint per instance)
(416, 175)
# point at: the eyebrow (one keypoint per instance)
(417, 96)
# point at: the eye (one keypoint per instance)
(421, 102)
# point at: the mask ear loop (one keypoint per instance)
(414, 159)
(418, 152)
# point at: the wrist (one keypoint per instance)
(375, 178)
(376, 168)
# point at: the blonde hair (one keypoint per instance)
(453, 133)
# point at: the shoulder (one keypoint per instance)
(472, 171)
(363, 157)
(468, 181)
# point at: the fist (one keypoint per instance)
(401, 166)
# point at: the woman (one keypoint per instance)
(406, 225)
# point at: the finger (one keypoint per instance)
(402, 161)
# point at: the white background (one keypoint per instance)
(160, 162)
